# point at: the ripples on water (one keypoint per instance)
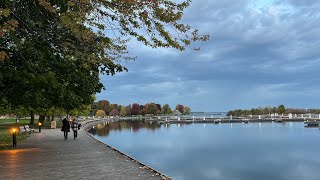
(263, 151)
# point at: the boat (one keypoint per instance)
(312, 122)
(217, 121)
(278, 120)
(245, 120)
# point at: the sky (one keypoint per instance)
(261, 53)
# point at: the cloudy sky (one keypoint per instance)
(261, 52)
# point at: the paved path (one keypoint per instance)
(47, 155)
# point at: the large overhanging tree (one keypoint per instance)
(52, 51)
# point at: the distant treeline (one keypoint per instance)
(269, 110)
(104, 108)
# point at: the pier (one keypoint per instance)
(312, 122)
(227, 120)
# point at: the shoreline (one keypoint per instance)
(89, 124)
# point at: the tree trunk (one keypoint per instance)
(32, 117)
(42, 118)
(52, 117)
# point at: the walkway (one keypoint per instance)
(47, 155)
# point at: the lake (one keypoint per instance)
(264, 151)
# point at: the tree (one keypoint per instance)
(114, 106)
(55, 50)
(274, 110)
(281, 109)
(143, 112)
(104, 105)
(128, 110)
(100, 113)
(123, 111)
(119, 107)
(158, 107)
(81, 111)
(45, 75)
(151, 108)
(84, 110)
(114, 112)
(180, 108)
(186, 110)
(135, 110)
(166, 109)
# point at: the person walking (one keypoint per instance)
(65, 127)
(75, 127)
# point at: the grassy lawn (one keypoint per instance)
(21, 121)
(6, 136)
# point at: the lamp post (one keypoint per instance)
(14, 137)
(40, 126)
(93, 130)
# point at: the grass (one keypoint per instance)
(7, 124)
(6, 136)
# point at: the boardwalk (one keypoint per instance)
(47, 155)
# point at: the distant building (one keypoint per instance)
(176, 113)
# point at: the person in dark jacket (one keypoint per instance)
(65, 127)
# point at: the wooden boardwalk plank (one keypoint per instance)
(47, 155)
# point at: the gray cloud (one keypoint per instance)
(258, 55)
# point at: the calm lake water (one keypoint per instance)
(264, 151)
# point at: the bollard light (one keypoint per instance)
(93, 130)
(14, 137)
(40, 126)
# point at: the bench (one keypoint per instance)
(22, 129)
(28, 129)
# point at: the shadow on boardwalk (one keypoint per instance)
(47, 155)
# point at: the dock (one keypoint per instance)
(312, 122)
(226, 120)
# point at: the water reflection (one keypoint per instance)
(264, 151)
(104, 128)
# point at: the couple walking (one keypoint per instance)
(66, 127)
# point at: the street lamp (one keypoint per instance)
(14, 137)
(40, 126)
(93, 130)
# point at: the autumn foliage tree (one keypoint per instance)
(104, 105)
(151, 108)
(148, 108)
(100, 113)
(128, 110)
(180, 108)
(114, 112)
(135, 110)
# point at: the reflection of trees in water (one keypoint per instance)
(136, 125)
(103, 129)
